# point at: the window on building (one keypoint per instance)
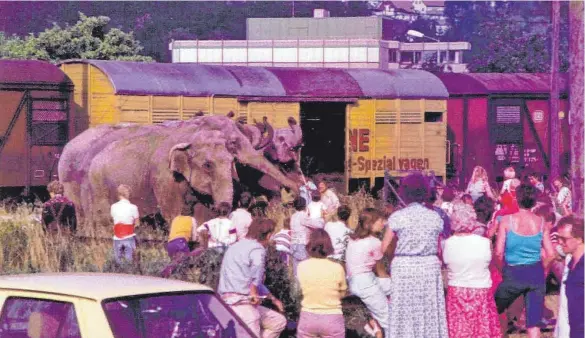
(392, 55)
(21, 316)
(452, 55)
(407, 57)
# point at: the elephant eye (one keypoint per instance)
(208, 165)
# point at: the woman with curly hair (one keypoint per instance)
(471, 309)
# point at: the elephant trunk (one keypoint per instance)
(222, 188)
(259, 162)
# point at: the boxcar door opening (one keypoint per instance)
(323, 127)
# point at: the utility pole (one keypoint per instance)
(576, 91)
(555, 130)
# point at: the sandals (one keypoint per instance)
(372, 328)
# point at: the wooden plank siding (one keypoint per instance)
(381, 133)
(79, 75)
(276, 112)
(102, 100)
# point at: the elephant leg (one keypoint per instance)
(99, 201)
(169, 196)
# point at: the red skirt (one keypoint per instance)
(471, 313)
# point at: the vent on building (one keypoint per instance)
(383, 117)
(508, 114)
(410, 117)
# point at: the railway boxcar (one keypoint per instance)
(498, 120)
(34, 113)
(357, 122)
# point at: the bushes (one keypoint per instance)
(25, 248)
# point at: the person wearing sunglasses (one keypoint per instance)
(571, 240)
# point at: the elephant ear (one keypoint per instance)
(178, 158)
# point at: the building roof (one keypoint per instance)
(97, 286)
(500, 83)
(188, 79)
(31, 72)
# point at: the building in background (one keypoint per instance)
(412, 10)
(321, 41)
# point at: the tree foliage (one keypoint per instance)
(89, 38)
(507, 36)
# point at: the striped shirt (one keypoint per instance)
(282, 240)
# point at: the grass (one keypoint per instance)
(25, 248)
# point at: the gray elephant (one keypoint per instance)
(162, 166)
(285, 151)
(79, 152)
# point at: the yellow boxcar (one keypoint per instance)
(356, 122)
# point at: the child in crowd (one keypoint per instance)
(364, 256)
(467, 199)
(183, 229)
(509, 175)
(339, 233)
(447, 197)
(301, 225)
(221, 231)
(282, 241)
(125, 216)
(316, 207)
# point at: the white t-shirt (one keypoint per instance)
(362, 255)
(468, 258)
(222, 232)
(339, 234)
(124, 212)
(241, 219)
(316, 210)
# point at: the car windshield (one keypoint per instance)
(172, 315)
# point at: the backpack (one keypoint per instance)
(55, 225)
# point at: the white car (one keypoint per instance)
(99, 305)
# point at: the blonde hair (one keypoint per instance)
(55, 187)
(124, 191)
(479, 172)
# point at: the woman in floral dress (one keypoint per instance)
(417, 297)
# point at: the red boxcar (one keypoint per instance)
(496, 120)
(35, 101)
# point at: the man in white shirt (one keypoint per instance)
(126, 218)
(329, 199)
(339, 233)
(241, 217)
(221, 231)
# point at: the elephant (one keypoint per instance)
(77, 155)
(166, 163)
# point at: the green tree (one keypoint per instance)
(89, 38)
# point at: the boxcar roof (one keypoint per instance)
(500, 83)
(31, 72)
(187, 79)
